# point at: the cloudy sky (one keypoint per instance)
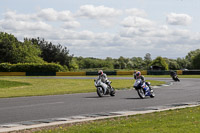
(107, 28)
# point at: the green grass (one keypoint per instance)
(9, 84)
(173, 121)
(39, 87)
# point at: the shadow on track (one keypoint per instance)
(134, 98)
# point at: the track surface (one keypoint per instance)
(43, 107)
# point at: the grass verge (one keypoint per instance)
(9, 84)
(185, 120)
(39, 87)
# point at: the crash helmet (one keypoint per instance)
(138, 73)
(100, 72)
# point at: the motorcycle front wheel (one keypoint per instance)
(112, 93)
(100, 91)
(141, 93)
(152, 95)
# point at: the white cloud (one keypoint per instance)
(13, 25)
(99, 12)
(133, 21)
(47, 14)
(50, 14)
(12, 15)
(136, 12)
(71, 25)
(124, 36)
(178, 19)
(105, 17)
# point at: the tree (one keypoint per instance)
(183, 63)
(14, 51)
(159, 61)
(172, 64)
(190, 56)
(53, 53)
(138, 62)
(117, 65)
(196, 61)
(73, 65)
(147, 60)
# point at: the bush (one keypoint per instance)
(31, 67)
(5, 67)
(159, 61)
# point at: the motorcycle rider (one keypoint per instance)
(134, 74)
(172, 73)
(174, 76)
(138, 75)
(103, 77)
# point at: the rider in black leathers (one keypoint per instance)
(172, 73)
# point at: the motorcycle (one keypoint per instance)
(175, 78)
(104, 89)
(143, 89)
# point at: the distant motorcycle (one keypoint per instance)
(104, 89)
(174, 76)
(143, 89)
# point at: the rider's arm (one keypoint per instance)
(105, 76)
(143, 79)
(134, 75)
(98, 78)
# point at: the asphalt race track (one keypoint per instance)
(21, 109)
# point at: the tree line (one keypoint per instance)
(37, 50)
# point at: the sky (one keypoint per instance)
(107, 28)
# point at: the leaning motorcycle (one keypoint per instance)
(104, 89)
(143, 89)
(175, 78)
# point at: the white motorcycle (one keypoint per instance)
(104, 89)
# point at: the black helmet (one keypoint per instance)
(100, 72)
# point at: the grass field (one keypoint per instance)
(20, 87)
(173, 121)
(9, 84)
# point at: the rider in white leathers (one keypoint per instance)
(104, 80)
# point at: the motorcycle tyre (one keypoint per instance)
(152, 92)
(152, 95)
(141, 93)
(112, 93)
(176, 79)
(100, 92)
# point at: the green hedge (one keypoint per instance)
(30, 67)
(158, 72)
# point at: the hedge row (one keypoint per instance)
(31, 67)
